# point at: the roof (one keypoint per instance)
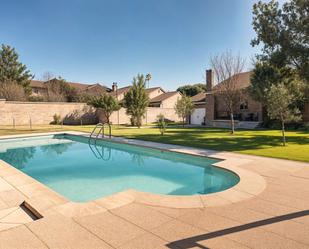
(37, 83)
(121, 90)
(125, 89)
(243, 80)
(78, 86)
(163, 96)
(200, 97)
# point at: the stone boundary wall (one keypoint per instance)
(42, 113)
(152, 113)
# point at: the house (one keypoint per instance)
(248, 114)
(40, 88)
(120, 92)
(165, 100)
(211, 108)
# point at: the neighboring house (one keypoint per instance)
(248, 114)
(165, 100)
(249, 110)
(120, 92)
(39, 88)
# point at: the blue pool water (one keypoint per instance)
(83, 171)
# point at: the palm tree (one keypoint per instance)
(148, 78)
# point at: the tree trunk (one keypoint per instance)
(183, 122)
(283, 133)
(232, 124)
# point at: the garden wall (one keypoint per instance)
(152, 112)
(43, 112)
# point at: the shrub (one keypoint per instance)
(161, 123)
(57, 119)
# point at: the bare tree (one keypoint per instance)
(227, 68)
(12, 91)
(47, 76)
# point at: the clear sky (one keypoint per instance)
(111, 41)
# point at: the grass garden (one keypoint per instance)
(253, 142)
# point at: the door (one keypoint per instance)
(198, 116)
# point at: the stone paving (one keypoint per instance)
(269, 208)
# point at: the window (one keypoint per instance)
(244, 105)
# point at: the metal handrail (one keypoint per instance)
(101, 126)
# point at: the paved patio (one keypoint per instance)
(269, 208)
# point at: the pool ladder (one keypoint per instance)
(100, 126)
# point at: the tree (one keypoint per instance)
(148, 78)
(283, 34)
(161, 123)
(191, 90)
(136, 100)
(279, 101)
(13, 71)
(107, 103)
(58, 90)
(184, 108)
(12, 91)
(265, 75)
(227, 68)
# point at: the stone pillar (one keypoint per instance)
(210, 99)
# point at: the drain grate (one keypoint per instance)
(29, 210)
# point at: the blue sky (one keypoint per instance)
(111, 41)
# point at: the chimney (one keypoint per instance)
(114, 87)
(209, 80)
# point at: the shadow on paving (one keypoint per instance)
(193, 241)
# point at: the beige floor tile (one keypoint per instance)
(141, 215)
(145, 241)
(267, 207)
(238, 213)
(304, 173)
(233, 195)
(290, 229)
(112, 229)
(61, 232)
(260, 239)
(214, 200)
(172, 212)
(175, 230)
(207, 220)
(8, 171)
(72, 209)
(12, 198)
(19, 216)
(7, 211)
(115, 201)
(288, 201)
(3, 205)
(4, 185)
(19, 238)
(6, 226)
(18, 179)
(46, 201)
(32, 189)
(221, 243)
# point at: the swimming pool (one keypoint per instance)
(82, 170)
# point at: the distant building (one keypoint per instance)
(40, 88)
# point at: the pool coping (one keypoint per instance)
(44, 201)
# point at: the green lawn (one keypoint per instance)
(253, 142)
